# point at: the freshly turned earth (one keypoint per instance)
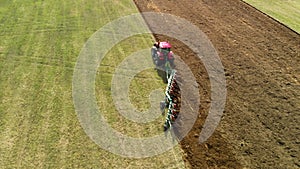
(261, 57)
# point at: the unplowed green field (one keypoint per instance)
(39, 45)
(286, 12)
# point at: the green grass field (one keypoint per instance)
(39, 46)
(285, 11)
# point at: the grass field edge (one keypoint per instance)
(269, 16)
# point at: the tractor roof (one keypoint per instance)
(164, 45)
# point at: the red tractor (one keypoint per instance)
(162, 56)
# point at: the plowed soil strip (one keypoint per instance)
(261, 59)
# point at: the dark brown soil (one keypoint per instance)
(260, 125)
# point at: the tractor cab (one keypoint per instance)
(164, 48)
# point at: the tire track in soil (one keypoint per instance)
(261, 58)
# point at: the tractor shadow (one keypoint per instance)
(162, 73)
